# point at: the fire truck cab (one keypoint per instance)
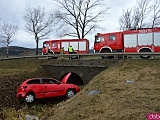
(108, 42)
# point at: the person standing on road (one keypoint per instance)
(62, 50)
(70, 50)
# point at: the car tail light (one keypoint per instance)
(22, 88)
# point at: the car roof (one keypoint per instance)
(64, 79)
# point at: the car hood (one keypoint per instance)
(66, 77)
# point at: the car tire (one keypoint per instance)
(70, 93)
(29, 98)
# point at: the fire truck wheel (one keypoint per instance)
(54, 57)
(107, 57)
(145, 56)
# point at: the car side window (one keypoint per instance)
(36, 81)
(56, 82)
(50, 81)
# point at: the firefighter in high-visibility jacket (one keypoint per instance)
(70, 50)
(62, 51)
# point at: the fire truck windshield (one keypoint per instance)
(99, 39)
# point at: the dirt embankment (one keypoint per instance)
(13, 72)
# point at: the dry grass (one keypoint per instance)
(118, 100)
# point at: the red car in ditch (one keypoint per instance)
(35, 88)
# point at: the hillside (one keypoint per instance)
(18, 51)
(129, 90)
(119, 99)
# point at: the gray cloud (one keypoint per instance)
(12, 11)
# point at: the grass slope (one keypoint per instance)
(118, 100)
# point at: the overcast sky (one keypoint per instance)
(12, 11)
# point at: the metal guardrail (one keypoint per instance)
(118, 54)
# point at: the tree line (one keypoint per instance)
(77, 18)
(145, 14)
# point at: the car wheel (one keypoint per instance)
(29, 98)
(70, 93)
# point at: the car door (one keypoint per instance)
(36, 87)
(53, 88)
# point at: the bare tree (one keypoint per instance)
(144, 9)
(136, 16)
(126, 20)
(38, 23)
(7, 32)
(130, 19)
(156, 14)
(77, 18)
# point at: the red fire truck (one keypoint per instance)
(80, 46)
(140, 40)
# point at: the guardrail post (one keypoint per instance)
(47, 57)
(79, 57)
